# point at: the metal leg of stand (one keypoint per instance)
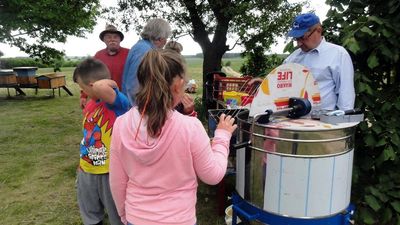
(234, 217)
(67, 90)
(19, 91)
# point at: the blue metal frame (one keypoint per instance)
(249, 212)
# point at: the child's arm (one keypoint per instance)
(104, 90)
(210, 162)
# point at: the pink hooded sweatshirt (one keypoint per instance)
(154, 180)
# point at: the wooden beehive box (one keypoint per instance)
(7, 78)
(26, 80)
(50, 80)
(25, 71)
(26, 76)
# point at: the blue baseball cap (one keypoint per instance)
(302, 23)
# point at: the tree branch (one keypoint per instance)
(234, 45)
(200, 34)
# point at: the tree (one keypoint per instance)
(370, 30)
(258, 64)
(33, 25)
(210, 23)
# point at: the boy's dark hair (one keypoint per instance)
(91, 69)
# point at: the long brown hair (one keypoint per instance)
(154, 98)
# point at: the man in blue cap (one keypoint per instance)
(330, 64)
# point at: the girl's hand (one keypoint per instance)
(226, 123)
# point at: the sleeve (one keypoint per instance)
(121, 103)
(118, 176)
(132, 81)
(126, 72)
(210, 161)
(345, 86)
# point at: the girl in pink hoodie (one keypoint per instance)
(158, 154)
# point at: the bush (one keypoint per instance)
(9, 63)
(258, 64)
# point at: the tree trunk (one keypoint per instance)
(212, 57)
(212, 50)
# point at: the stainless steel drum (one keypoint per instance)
(299, 168)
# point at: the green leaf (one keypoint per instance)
(370, 140)
(387, 215)
(373, 202)
(377, 128)
(395, 139)
(352, 45)
(372, 61)
(369, 90)
(386, 51)
(368, 31)
(394, 194)
(367, 216)
(396, 206)
(289, 47)
(381, 142)
(386, 106)
(389, 153)
(375, 19)
(387, 33)
(380, 159)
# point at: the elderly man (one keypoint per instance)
(114, 56)
(154, 36)
(330, 64)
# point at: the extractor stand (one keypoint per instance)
(248, 212)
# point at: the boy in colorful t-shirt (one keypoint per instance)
(105, 105)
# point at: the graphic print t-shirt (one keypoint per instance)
(98, 120)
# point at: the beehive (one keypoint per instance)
(25, 71)
(7, 78)
(50, 80)
(26, 76)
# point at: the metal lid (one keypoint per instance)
(6, 72)
(25, 68)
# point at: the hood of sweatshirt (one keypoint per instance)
(145, 148)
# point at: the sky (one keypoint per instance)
(89, 45)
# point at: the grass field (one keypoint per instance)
(39, 154)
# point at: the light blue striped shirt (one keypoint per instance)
(332, 67)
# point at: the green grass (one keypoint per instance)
(39, 150)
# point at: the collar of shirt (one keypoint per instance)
(316, 49)
(148, 42)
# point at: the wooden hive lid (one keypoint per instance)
(49, 75)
